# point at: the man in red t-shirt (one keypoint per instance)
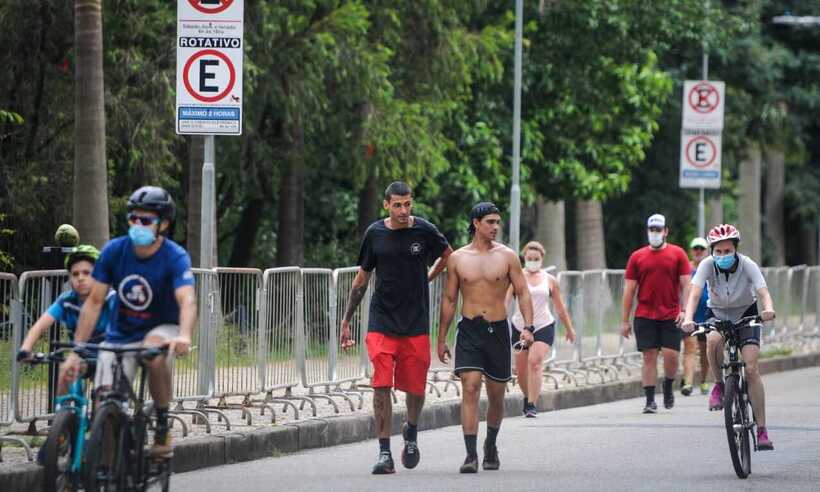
(660, 272)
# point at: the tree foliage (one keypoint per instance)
(344, 96)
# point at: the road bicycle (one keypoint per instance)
(116, 458)
(737, 407)
(62, 453)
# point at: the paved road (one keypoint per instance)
(603, 447)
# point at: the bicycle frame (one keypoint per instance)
(137, 423)
(76, 395)
(735, 364)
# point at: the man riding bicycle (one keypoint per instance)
(156, 301)
(735, 285)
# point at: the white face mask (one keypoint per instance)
(655, 239)
(532, 265)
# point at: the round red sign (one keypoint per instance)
(210, 7)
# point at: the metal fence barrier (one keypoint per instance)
(272, 337)
(31, 383)
(8, 303)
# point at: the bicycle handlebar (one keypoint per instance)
(715, 324)
(83, 349)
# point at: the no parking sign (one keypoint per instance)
(209, 67)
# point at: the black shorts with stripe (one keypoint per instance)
(484, 346)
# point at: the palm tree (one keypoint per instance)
(775, 198)
(749, 202)
(589, 235)
(549, 231)
(90, 173)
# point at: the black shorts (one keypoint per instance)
(545, 334)
(484, 346)
(655, 334)
(748, 335)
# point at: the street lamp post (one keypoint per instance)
(515, 192)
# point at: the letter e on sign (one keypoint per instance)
(213, 72)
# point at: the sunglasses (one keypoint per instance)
(142, 219)
(698, 248)
(655, 229)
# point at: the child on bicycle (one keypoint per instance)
(156, 301)
(66, 309)
(735, 285)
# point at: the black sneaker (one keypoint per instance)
(384, 466)
(410, 455)
(531, 412)
(470, 465)
(650, 407)
(669, 400)
(490, 461)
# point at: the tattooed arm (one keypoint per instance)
(357, 292)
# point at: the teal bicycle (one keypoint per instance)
(62, 453)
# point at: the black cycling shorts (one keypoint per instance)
(545, 335)
(484, 346)
(748, 335)
(655, 334)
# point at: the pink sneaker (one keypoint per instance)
(716, 398)
(763, 442)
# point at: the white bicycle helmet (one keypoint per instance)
(722, 233)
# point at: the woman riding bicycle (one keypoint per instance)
(735, 285)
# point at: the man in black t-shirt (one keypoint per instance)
(399, 249)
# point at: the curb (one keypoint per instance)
(234, 447)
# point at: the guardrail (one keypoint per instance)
(271, 338)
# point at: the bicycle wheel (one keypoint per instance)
(59, 452)
(737, 430)
(101, 469)
(158, 475)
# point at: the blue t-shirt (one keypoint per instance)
(145, 286)
(66, 310)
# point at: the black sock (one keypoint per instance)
(492, 433)
(667, 385)
(526, 402)
(162, 417)
(469, 442)
(650, 393)
(412, 432)
(384, 444)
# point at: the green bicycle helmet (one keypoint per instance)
(85, 252)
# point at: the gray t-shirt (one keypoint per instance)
(730, 295)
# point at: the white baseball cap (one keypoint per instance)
(656, 220)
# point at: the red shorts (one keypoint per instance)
(403, 359)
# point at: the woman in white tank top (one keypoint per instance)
(529, 361)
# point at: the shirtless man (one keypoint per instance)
(483, 270)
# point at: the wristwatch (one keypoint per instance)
(530, 328)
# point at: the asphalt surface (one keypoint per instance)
(603, 447)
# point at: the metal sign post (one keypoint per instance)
(208, 228)
(701, 194)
